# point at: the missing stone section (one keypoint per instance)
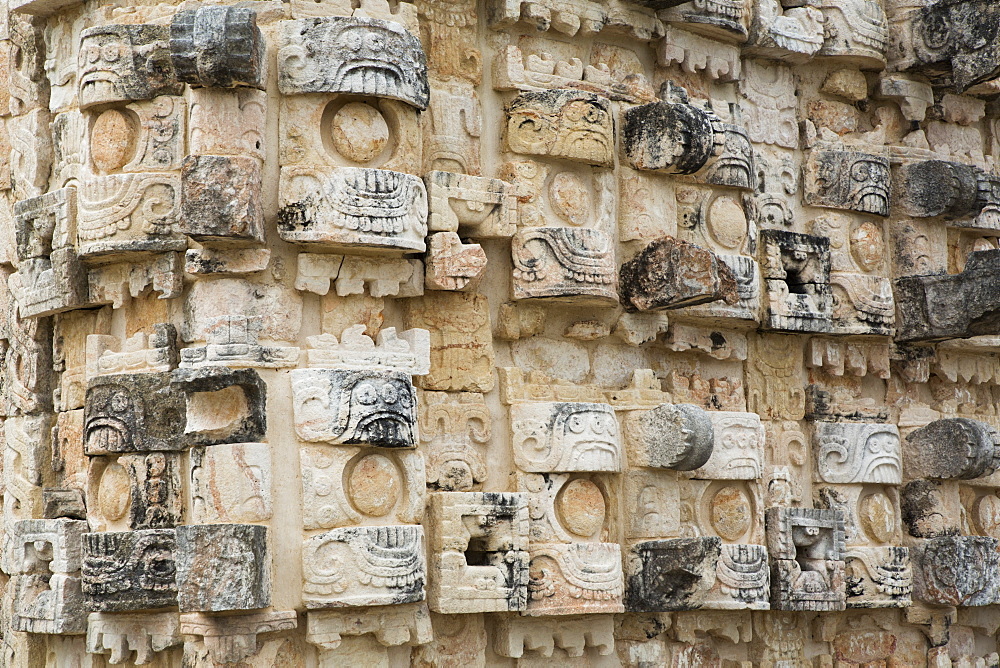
(806, 548)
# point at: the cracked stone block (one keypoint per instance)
(218, 47)
(129, 570)
(956, 570)
(221, 199)
(666, 575)
(223, 567)
(952, 448)
(671, 273)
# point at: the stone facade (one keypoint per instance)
(503, 333)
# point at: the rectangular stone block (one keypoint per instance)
(44, 223)
(129, 570)
(956, 570)
(223, 567)
(878, 577)
(853, 452)
(230, 483)
(364, 566)
(812, 587)
(850, 180)
(566, 264)
(456, 429)
(51, 604)
(478, 552)
(480, 208)
(221, 199)
(133, 69)
(553, 437)
(742, 579)
(541, 123)
(133, 413)
(575, 578)
(213, 115)
(121, 635)
(218, 46)
(665, 575)
(738, 452)
(44, 546)
(209, 390)
(135, 491)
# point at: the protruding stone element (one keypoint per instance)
(793, 34)
(956, 570)
(408, 351)
(855, 32)
(557, 437)
(362, 566)
(725, 21)
(950, 306)
(738, 453)
(479, 207)
(562, 123)
(133, 413)
(120, 635)
(952, 43)
(130, 570)
(218, 47)
(914, 97)
(514, 635)
(50, 604)
(953, 448)
(575, 578)
(231, 341)
(679, 437)
(122, 62)
(355, 407)
(856, 452)
(796, 270)
(352, 55)
(223, 405)
(806, 547)
(353, 207)
(743, 579)
(223, 567)
(670, 273)
(401, 624)
(851, 180)
(666, 575)
(356, 275)
(931, 188)
(232, 638)
(478, 552)
(878, 577)
(565, 263)
(929, 509)
(453, 265)
(221, 199)
(156, 352)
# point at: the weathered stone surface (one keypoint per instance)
(738, 452)
(231, 483)
(663, 136)
(849, 180)
(556, 437)
(223, 567)
(120, 635)
(217, 46)
(670, 273)
(353, 55)
(806, 547)
(130, 570)
(123, 63)
(953, 448)
(956, 570)
(133, 413)
(742, 579)
(665, 575)
(562, 123)
(220, 199)
(936, 188)
(564, 263)
(679, 437)
(878, 577)
(453, 265)
(223, 405)
(796, 270)
(948, 305)
(575, 578)
(857, 452)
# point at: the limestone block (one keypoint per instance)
(731, 510)
(133, 413)
(953, 448)
(565, 263)
(478, 552)
(928, 43)
(51, 604)
(930, 508)
(344, 486)
(738, 452)
(794, 34)
(351, 275)
(407, 352)
(855, 32)
(233, 638)
(670, 273)
(353, 55)
(651, 504)
(796, 270)
(122, 62)
(748, 291)
(950, 305)
(115, 283)
(364, 566)
(31, 152)
(455, 645)
(931, 188)
(135, 491)
(353, 207)
(45, 223)
(46, 286)
(453, 265)
(725, 21)
(232, 261)
(513, 635)
(230, 483)
(452, 140)
(456, 428)
(673, 138)
(129, 570)
(44, 547)
(665, 575)
(678, 437)
(850, 180)
(913, 96)
(227, 122)
(806, 548)
(156, 352)
(120, 635)
(878, 577)
(556, 437)
(476, 206)
(223, 405)
(571, 124)
(461, 350)
(217, 46)
(742, 579)
(853, 452)
(63, 503)
(232, 341)
(223, 567)
(956, 570)
(355, 407)
(398, 624)
(221, 199)
(575, 578)
(27, 444)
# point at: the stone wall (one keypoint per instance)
(518, 333)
